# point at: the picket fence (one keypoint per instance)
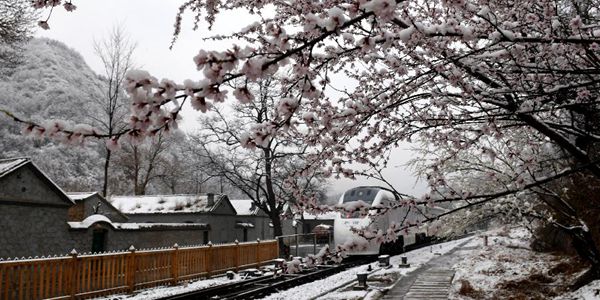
(86, 276)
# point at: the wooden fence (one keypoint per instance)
(85, 276)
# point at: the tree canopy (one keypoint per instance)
(514, 83)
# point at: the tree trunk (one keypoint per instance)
(106, 165)
(278, 231)
(274, 213)
(277, 227)
(586, 248)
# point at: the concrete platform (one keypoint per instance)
(431, 281)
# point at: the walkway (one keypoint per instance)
(430, 281)
(432, 284)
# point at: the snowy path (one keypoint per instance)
(443, 262)
(432, 284)
(337, 286)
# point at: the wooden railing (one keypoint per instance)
(85, 276)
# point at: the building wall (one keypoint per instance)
(33, 231)
(167, 218)
(261, 229)
(140, 239)
(287, 227)
(105, 209)
(32, 216)
(77, 212)
(221, 226)
(25, 186)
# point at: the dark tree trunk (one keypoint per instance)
(106, 166)
(586, 248)
(277, 227)
(274, 212)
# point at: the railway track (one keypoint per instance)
(259, 287)
(262, 286)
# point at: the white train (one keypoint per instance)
(374, 196)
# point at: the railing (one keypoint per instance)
(85, 276)
(303, 244)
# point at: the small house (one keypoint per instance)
(251, 223)
(96, 225)
(33, 211)
(214, 211)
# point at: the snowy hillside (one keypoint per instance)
(53, 82)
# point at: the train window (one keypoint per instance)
(366, 194)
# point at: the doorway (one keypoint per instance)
(99, 240)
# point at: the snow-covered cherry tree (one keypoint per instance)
(453, 73)
(267, 174)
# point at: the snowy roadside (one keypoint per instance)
(163, 291)
(588, 292)
(507, 268)
(335, 287)
(307, 291)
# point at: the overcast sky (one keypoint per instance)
(150, 24)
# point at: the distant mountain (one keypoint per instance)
(53, 82)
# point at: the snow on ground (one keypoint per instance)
(325, 288)
(588, 292)
(162, 291)
(507, 267)
(311, 290)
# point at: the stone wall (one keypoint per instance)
(33, 231)
(222, 227)
(140, 239)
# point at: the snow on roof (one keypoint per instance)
(244, 225)
(93, 219)
(77, 196)
(161, 225)
(243, 207)
(323, 216)
(10, 164)
(162, 203)
(324, 226)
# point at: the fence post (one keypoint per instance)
(175, 265)
(237, 256)
(131, 270)
(209, 260)
(74, 272)
(257, 253)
